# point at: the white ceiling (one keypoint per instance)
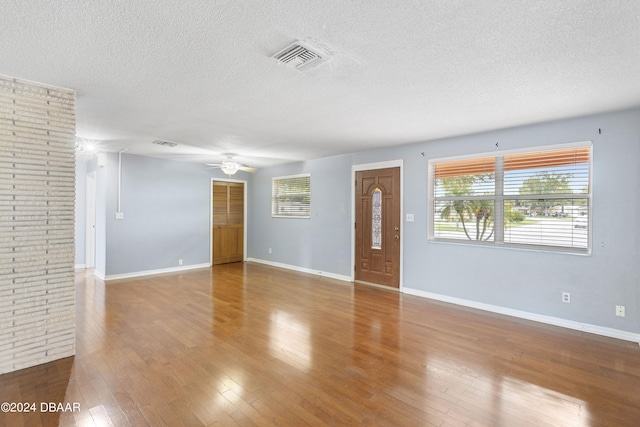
(199, 72)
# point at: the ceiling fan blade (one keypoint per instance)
(215, 165)
(247, 169)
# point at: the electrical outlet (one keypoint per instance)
(566, 297)
(179, 262)
(119, 215)
(620, 310)
(269, 250)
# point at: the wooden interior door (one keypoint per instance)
(378, 227)
(228, 222)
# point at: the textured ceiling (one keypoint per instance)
(199, 72)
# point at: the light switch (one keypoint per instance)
(409, 217)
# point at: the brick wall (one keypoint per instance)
(37, 192)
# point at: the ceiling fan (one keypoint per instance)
(230, 167)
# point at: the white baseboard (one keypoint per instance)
(152, 272)
(80, 266)
(556, 321)
(98, 274)
(301, 269)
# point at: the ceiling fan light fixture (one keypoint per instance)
(86, 148)
(230, 168)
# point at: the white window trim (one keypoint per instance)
(500, 198)
(280, 178)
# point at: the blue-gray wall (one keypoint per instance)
(166, 208)
(322, 242)
(530, 281)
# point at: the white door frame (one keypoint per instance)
(244, 249)
(372, 166)
(90, 221)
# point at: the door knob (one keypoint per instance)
(396, 228)
(396, 237)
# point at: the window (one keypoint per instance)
(536, 199)
(291, 196)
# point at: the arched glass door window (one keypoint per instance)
(376, 219)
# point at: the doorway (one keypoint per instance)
(228, 222)
(90, 221)
(378, 222)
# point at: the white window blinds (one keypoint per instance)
(533, 199)
(291, 196)
(547, 172)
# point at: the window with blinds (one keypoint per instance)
(533, 199)
(291, 196)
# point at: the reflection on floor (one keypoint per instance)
(247, 344)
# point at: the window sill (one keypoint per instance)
(517, 247)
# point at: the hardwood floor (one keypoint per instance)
(247, 344)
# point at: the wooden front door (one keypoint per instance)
(228, 222)
(378, 227)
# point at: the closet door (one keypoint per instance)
(228, 222)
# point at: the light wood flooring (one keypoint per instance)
(246, 344)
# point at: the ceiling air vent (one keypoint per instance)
(300, 56)
(165, 143)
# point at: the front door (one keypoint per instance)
(228, 222)
(378, 227)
